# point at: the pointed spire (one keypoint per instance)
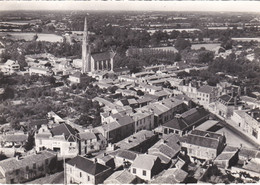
(85, 25)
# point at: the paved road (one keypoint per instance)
(239, 136)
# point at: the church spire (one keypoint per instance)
(85, 49)
(86, 29)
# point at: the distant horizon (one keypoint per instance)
(153, 6)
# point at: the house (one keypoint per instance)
(117, 127)
(202, 144)
(62, 139)
(145, 166)
(143, 120)
(40, 71)
(126, 92)
(127, 78)
(15, 139)
(75, 78)
(206, 94)
(10, 67)
(144, 100)
(250, 101)
(171, 176)
(151, 89)
(228, 88)
(139, 141)
(123, 157)
(121, 177)
(186, 121)
(248, 121)
(142, 74)
(122, 71)
(105, 159)
(228, 158)
(164, 110)
(226, 104)
(18, 170)
(190, 89)
(166, 149)
(175, 82)
(88, 143)
(81, 170)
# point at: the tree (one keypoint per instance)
(181, 44)
(30, 143)
(205, 56)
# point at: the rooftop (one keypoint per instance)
(145, 161)
(87, 135)
(206, 89)
(87, 165)
(120, 177)
(12, 164)
(125, 154)
(209, 140)
(66, 130)
(135, 139)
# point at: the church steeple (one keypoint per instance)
(85, 49)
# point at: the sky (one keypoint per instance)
(221, 6)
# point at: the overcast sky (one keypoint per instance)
(231, 6)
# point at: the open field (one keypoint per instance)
(29, 36)
(210, 47)
(247, 39)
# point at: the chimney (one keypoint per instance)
(232, 92)
(235, 101)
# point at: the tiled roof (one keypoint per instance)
(200, 141)
(65, 129)
(166, 149)
(205, 133)
(225, 156)
(120, 177)
(194, 116)
(111, 126)
(102, 56)
(135, 139)
(145, 161)
(125, 154)
(171, 176)
(176, 124)
(14, 138)
(12, 164)
(87, 136)
(187, 119)
(87, 165)
(206, 89)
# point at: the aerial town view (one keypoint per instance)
(149, 95)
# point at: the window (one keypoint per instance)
(144, 173)
(134, 171)
(80, 174)
(34, 165)
(88, 178)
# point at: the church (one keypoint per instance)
(103, 61)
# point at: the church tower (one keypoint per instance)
(85, 50)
